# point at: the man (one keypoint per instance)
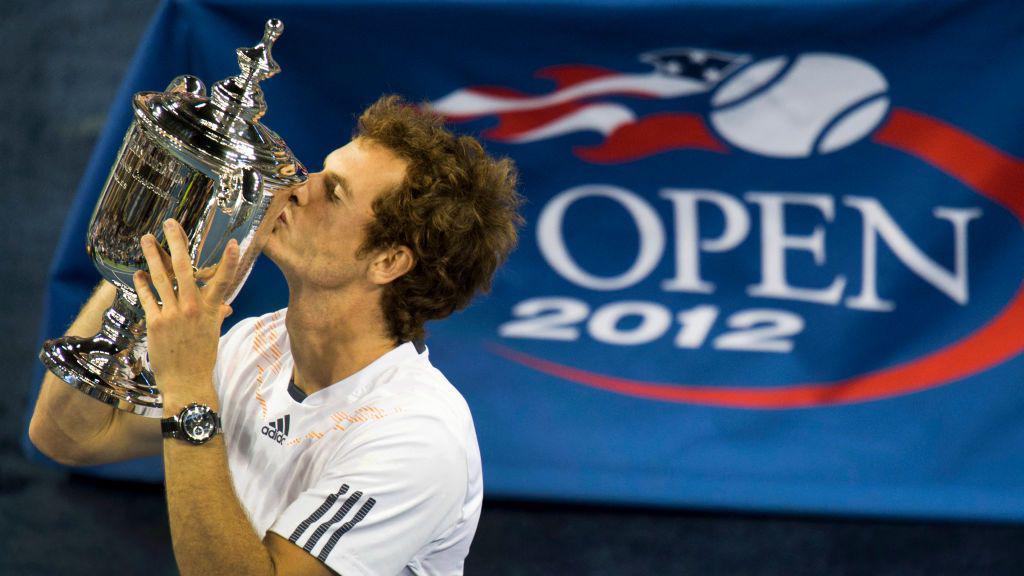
(343, 450)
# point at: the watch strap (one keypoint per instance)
(169, 427)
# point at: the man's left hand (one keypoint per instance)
(183, 332)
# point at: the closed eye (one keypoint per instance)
(337, 185)
(330, 189)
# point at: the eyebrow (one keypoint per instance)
(336, 180)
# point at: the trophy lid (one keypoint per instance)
(223, 131)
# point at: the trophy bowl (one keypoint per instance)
(209, 163)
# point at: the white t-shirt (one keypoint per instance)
(376, 474)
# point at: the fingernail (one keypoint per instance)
(147, 240)
(167, 223)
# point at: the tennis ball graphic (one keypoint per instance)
(794, 108)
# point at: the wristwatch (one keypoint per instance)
(195, 424)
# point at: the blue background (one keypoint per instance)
(951, 451)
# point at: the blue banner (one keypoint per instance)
(774, 250)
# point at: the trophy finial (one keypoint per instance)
(272, 30)
(241, 96)
(257, 63)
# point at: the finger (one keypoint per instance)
(216, 290)
(181, 261)
(166, 259)
(157, 272)
(146, 297)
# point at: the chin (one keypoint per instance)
(272, 251)
(270, 248)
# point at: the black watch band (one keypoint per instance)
(169, 427)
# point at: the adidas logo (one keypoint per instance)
(278, 429)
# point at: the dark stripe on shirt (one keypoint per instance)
(345, 528)
(322, 529)
(318, 513)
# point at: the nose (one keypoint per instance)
(299, 195)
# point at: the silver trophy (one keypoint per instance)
(205, 161)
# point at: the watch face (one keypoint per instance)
(197, 423)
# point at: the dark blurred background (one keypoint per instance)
(61, 66)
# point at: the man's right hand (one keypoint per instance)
(77, 430)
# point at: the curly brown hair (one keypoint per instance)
(457, 210)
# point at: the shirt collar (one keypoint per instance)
(355, 385)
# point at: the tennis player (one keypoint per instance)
(318, 439)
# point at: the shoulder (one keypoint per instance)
(419, 391)
(414, 408)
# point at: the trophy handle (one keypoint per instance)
(187, 84)
(240, 192)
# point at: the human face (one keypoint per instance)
(319, 231)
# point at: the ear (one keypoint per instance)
(390, 264)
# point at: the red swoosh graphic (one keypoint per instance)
(981, 166)
(513, 124)
(566, 75)
(652, 135)
(987, 170)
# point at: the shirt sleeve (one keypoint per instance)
(398, 487)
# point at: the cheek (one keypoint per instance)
(338, 241)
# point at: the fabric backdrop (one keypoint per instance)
(773, 252)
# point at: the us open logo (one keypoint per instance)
(727, 224)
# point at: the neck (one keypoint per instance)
(334, 334)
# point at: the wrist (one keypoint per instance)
(196, 424)
(180, 392)
(173, 407)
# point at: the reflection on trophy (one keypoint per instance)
(205, 161)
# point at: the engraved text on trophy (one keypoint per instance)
(146, 187)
